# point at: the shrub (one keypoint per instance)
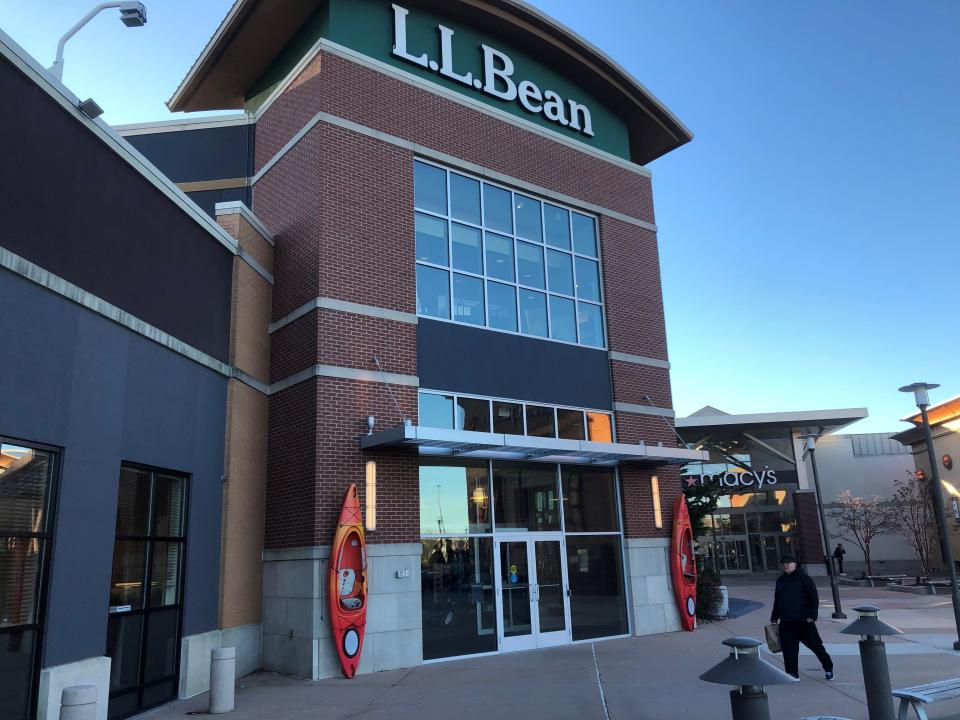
(709, 596)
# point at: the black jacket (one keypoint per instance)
(795, 597)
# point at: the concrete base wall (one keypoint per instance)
(92, 671)
(653, 606)
(296, 626)
(195, 656)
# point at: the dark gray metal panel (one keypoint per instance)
(192, 155)
(73, 379)
(484, 362)
(75, 208)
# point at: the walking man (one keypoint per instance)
(795, 607)
(838, 554)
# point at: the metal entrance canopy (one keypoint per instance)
(496, 446)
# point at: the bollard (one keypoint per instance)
(873, 660)
(79, 702)
(749, 672)
(223, 664)
(724, 609)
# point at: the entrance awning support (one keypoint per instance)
(497, 446)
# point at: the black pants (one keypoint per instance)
(840, 564)
(792, 633)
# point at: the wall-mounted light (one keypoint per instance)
(479, 496)
(655, 489)
(371, 495)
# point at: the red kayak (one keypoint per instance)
(347, 583)
(683, 565)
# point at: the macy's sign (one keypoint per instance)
(749, 478)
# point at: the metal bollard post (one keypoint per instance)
(873, 660)
(749, 672)
(223, 664)
(79, 702)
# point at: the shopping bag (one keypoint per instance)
(773, 637)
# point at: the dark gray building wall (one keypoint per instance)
(475, 361)
(71, 378)
(203, 154)
(77, 209)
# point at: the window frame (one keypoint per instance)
(515, 238)
(523, 404)
(42, 587)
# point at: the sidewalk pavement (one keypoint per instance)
(647, 678)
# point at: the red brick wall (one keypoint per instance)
(632, 382)
(291, 467)
(350, 91)
(340, 205)
(343, 339)
(637, 498)
(631, 286)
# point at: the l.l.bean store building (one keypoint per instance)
(447, 291)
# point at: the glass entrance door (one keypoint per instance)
(146, 594)
(532, 589)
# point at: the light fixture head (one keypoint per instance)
(371, 421)
(135, 15)
(919, 390)
(90, 108)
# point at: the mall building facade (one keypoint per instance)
(763, 477)
(467, 321)
(437, 278)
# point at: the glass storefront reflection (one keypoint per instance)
(525, 496)
(589, 499)
(465, 505)
(26, 475)
(459, 611)
(454, 498)
(595, 572)
(755, 472)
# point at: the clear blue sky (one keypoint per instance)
(810, 233)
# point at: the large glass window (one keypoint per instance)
(461, 412)
(589, 499)
(548, 254)
(525, 496)
(595, 571)
(456, 566)
(454, 498)
(26, 478)
(457, 596)
(466, 504)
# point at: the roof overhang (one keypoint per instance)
(255, 31)
(939, 413)
(249, 38)
(821, 422)
(467, 444)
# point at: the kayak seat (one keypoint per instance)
(346, 579)
(351, 603)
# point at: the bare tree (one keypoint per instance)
(860, 521)
(912, 517)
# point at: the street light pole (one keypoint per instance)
(132, 14)
(922, 399)
(824, 536)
